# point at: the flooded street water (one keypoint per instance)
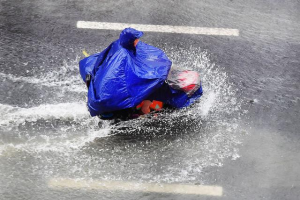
(242, 135)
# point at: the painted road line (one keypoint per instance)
(60, 183)
(85, 53)
(159, 28)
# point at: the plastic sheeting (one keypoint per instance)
(122, 76)
(184, 80)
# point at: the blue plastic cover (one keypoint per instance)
(122, 76)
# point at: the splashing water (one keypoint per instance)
(65, 78)
(168, 147)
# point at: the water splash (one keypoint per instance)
(168, 147)
(65, 78)
(177, 146)
(59, 127)
(14, 116)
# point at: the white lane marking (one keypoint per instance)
(159, 28)
(60, 183)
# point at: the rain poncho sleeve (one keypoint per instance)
(89, 65)
(124, 75)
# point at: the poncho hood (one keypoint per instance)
(127, 37)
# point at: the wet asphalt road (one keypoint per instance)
(262, 64)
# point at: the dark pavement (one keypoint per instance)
(251, 149)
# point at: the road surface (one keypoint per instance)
(241, 141)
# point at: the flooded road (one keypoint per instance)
(241, 137)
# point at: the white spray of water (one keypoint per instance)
(64, 140)
(215, 124)
(73, 115)
(63, 111)
(65, 78)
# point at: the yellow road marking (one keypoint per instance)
(85, 53)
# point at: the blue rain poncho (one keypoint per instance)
(122, 76)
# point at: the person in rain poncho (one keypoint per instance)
(127, 72)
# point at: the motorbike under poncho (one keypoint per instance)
(123, 75)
